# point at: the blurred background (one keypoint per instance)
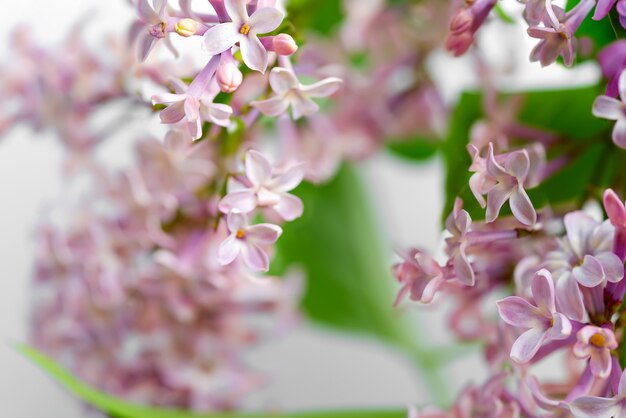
(312, 367)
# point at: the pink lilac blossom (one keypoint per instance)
(542, 322)
(609, 108)
(596, 343)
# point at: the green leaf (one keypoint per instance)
(565, 113)
(417, 149)
(118, 408)
(322, 17)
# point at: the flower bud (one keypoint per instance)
(284, 44)
(228, 76)
(186, 27)
(461, 21)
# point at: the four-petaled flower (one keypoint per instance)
(420, 276)
(266, 190)
(557, 37)
(542, 322)
(458, 224)
(151, 27)
(248, 241)
(596, 344)
(289, 91)
(607, 107)
(243, 29)
(192, 104)
(508, 183)
(596, 407)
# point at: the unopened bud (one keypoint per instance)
(459, 44)
(186, 27)
(228, 77)
(284, 44)
(461, 21)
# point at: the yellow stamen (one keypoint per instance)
(598, 340)
(240, 234)
(245, 29)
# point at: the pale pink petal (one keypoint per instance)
(241, 200)
(569, 299)
(581, 350)
(323, 88)
(462, 268)
(608, 108)
(603, 8)
(236, 221)
(173, 113)
(578, 226)
(288, 180)
(160, 6)
(612, 266)
(258, 168)
(289, 207)
(522, 207)
(192, 109)
(542, 400)
(263, 233)
(495, 199)
(253, 53)
(195, 128)
(622, 84)
(517, 312)
(430, 290)
(228, 250)
(614, 208)
(178, 85)
(274, 106)
(146, 13)
(167, 98)
(135, 29)
(619, 133)
(517, 164)
(476, 186)
(600, 363)
(561, 328)
(255, 257)
(428, 264)
(622, 384)
(221, 37)
(494, 169)
(283, 80)
(591, 406)
(527, 345)
(265, 20)
(236, 10)
(302, 106)
(147, 43)
(542, 288)
(590, 273)
(568, 53)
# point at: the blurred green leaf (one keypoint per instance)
(118, 408)
(566, 113)
(322, 17)
(417, 149)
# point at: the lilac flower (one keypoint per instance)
(534, 11)
(193, 104)
(420, 276)
(584, 258)
(596, 344)
(289, 92)
(557, 37)
(247, 241)
(597, 407)
(265, 189)
(604, 7)
(458, 224)
(509, 179)
(609, 108)
(542, 322)
(243, 29)
(612, 60)
(151, 27)
(616, 211)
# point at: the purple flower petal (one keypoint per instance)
(236, 221)
(522, 207)
(173, 113)
(228, 250)
(323, 88)
(578, 226)
(236, 10)
(302, 106)
(590, 273)
(561, 328)
(615, 208)
(619, 133)
(591, 406)
(603, 8)
(527, 345)
(612, 266)
(255, 257)
(241, 200)
(221, 37)
(253, 53)
(568, 298)
(289, 207)
(146, 13)
(608, 108)
(263, 233)
(265, 20)
(288, 180)
(462, 267)
(600, 363)
(274, 106)
(542, 288)
(258, 168)
(517, 312)
(495, 199)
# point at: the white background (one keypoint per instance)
(310, 368)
